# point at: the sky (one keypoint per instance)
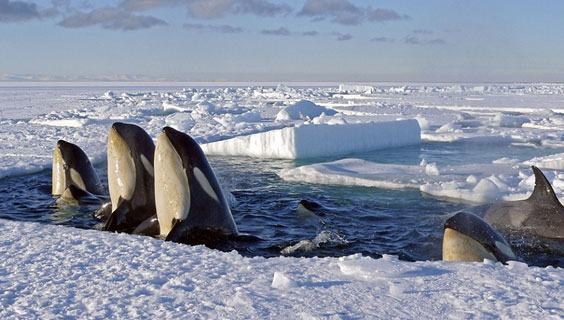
(270, 40)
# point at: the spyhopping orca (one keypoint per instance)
(72, 168)
(130, 178)
(468, 237)
(539, 215)
(191, 207)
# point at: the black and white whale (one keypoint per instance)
(73, 177)
(540, 215)
(191, 207)
(130, 177)
(306, 207)
(468, 237)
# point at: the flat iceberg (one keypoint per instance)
(316, 140)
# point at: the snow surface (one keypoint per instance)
(55, 272)
(52, 272)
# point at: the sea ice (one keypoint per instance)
(480, 183)
(49, 271)
(52, 271)
(303, 110)
(308, 141)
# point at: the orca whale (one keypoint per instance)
(306, 207)
(130, 178)
(191, 207)
(71, 167)
(540, 215)
(468, 237)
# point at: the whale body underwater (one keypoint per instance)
(541, 215)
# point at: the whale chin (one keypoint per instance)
(459, 247)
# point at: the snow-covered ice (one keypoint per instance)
(49, 272)
(52, 272)
(501, 180)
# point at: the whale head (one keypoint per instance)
(71, 166)
(468, 237)
(187, 193)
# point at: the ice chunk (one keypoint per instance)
(318, 140)
(487, 189)
(355, 88)
(509, 121)
(180, 121)
(423, 122)
(472, 179)
(432, 170)
(308, 245)
(555, 161)
(281, 281)
(303, 109)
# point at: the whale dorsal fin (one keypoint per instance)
(543, 191)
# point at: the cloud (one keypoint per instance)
(15, 11)
(346, 13)
(381, 15)
(212, 28)
(211, 9)
(422, 31)
(436, 41)
(310, 33)
(261, 8)
(383, 39)
(110, 18)
(410, 39)
(342, 36)
(277, 32)
(142, 5)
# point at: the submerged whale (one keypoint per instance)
(540, 215)
(468, 237)
(306, 207)
(191, 207)
(130, 177)
(73, 177)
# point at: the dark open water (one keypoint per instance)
(363, 220)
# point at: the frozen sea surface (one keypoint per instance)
(54, 272)
(396, 204)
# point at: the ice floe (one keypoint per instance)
(501, 180)
(315, 140)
